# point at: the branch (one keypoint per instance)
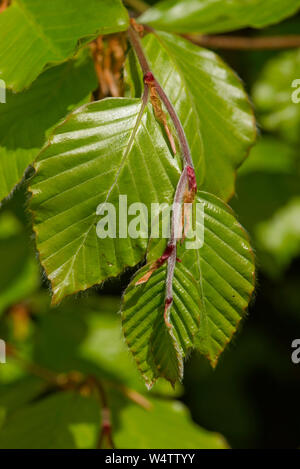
(106, 424)
(186, 187)
(75, 381)
(136, 397)
(245, 43)
(150, 80)
(137, 46)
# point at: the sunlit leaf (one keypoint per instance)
(214, 16)
(103, 150)
(34, 33)
(154, 429)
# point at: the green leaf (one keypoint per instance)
(158, 351)
(211, 290)
(18, 393)
(280, 235)
(85, 335)
(275, 177)
(272, 169)
(64, 420)
(21, 274)
(211, 104)
(270, 155)
(225, 272)
(26, 118)
(215, 16)
(34, 33)
(105, 149)
(138, 428)
(277, 95)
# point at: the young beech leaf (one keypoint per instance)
(157, 349)
(104, 149)
(215, 16)
(225, 273)
(211, 103)
(211, 290)
(34, 33)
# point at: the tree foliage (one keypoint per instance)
(175, 125)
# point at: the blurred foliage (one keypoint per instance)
(273, 94)
(66, 347)
(252, 398)
(19, 275)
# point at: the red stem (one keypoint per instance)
(136, 44)
(187, 178)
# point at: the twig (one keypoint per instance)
(136, 44)
(72, 380)
(186, 187)
(149, 79)
(137, 5)
(136, 397)
(85, 385)
(106, 424)
(185, 192)
(245, 43)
